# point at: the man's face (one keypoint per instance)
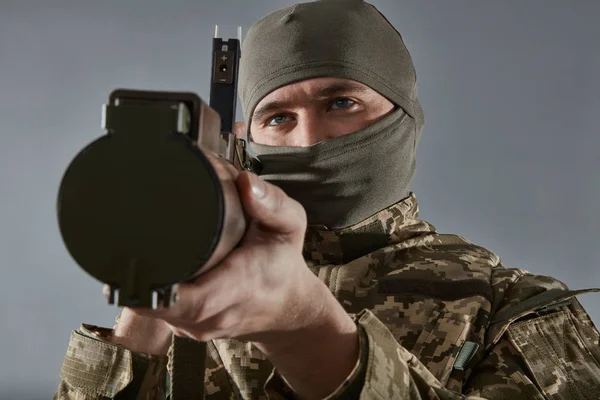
(306, 112)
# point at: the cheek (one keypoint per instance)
(344, 126)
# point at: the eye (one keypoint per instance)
(278, 120)
(341, 103)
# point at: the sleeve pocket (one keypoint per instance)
(561, 353)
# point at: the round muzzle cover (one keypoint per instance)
(141, 208)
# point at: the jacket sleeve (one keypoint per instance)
(540, 345)
(95, 369)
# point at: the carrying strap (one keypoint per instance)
(187, 375)
(542, 302)
(537, 302)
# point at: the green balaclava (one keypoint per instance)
(343, 180)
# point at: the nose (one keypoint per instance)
(311, 129)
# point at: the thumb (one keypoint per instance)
(270, 207)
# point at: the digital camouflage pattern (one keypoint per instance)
(423, 300)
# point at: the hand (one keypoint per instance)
(252, 291)
(264, 292)
(141, 334)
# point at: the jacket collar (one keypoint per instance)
(389, 226)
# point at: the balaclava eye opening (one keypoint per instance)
(345, 39)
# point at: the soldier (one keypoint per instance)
(338, 290)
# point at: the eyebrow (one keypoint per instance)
(337, 88)
(322, 92)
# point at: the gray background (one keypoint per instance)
(509, 155)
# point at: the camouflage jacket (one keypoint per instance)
(439, 318)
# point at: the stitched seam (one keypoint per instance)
(297, 67)
(369, 372)
(564, 346)
(376, 137)
(89, 386)
(546, 349)
(567, 369)
(583, 343)
(108, 372)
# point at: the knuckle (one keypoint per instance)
(191, 312)
(244, 294)
(222, 322)
(301, 213)
(228, 322)
(277, 199)
(200, 311)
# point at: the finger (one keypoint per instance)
(270, 206)
(239, 129)
(204, 297)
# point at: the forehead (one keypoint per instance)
(316, 88)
